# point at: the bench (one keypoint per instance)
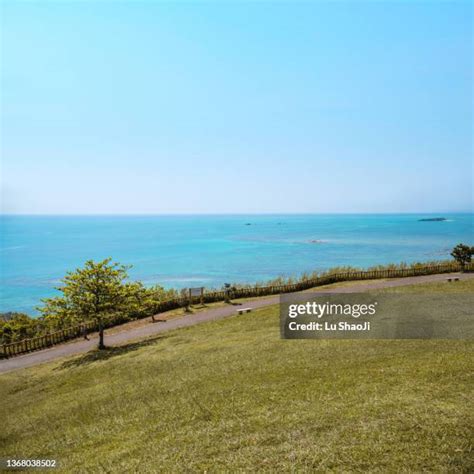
(244, 310)
(159, 319)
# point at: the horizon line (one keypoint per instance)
(184, 214)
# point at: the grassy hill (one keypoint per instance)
(231, 395)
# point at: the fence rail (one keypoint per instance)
(57, 337)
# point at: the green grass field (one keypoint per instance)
(230, 395)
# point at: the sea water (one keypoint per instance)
(190, 251)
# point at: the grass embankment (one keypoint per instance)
(231, 395)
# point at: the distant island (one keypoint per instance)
(433, 219)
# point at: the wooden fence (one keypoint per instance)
(57, 337)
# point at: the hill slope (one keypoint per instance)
(230, 394)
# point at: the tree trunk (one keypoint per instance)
(101, 337)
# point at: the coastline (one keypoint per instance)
(210, 250)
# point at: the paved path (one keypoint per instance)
(81, 346)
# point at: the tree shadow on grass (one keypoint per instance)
(107, 353)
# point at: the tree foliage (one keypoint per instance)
(18, 326)
(462, 254)
(97, 292)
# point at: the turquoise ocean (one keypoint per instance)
(210, 250)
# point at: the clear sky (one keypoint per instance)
(148, 107)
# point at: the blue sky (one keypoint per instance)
(116, 107)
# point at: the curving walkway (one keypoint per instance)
(128, 335)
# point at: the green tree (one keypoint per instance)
(97, 292)
(462, 254)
